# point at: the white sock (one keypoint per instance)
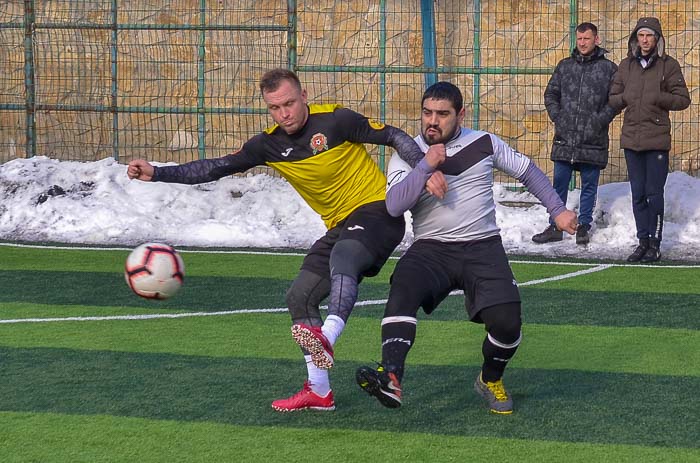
(319, 381)
(332, 328)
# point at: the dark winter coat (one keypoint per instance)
(576, 99)
(648, 94)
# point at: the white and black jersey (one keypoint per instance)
(468, 211)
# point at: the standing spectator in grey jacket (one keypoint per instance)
(576, 99)
(648, 84)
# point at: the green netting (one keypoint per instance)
(177, 80)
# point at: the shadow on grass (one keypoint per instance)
(110, 289)
(550, 405)
(589, 308)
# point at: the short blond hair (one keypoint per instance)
(271, 80)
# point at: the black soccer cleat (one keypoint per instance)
(381, 384)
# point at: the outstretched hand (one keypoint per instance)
(140, 169)
(567, 221)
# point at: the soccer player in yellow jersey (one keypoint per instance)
(320, 150)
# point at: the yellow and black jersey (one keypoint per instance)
(326, 161)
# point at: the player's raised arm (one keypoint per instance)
(361, 129)
(404, 145)
(197, 171)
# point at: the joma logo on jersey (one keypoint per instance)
(318, 143)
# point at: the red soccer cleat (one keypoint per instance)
(305, 399)
(315, 342)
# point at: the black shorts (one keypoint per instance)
(369, 224)
(431, 269)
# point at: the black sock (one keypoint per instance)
(398, 336)
(496, 357)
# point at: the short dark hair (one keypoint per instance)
(444, 91)
(272, 79)
(583, 27)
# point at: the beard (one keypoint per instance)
(439, 137)
(432, 140)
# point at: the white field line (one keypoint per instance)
(200, 251)
(301, 254)
(277, 309)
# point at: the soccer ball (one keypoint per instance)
(154, 271)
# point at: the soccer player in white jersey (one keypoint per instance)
(457, 244)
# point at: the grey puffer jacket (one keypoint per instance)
(576, 99)
(648, 94)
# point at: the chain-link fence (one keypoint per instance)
(176, 80)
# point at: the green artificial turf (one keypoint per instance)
(606, 371)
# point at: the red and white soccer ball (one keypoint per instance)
(154, 271)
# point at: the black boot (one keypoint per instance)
(640, 251)
(549, 235)
(582, 235)
(653, 254)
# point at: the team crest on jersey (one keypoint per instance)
(375, 124)
(319, 143)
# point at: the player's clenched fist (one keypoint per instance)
(436, 155)
(567, 221)
(140, 170)
(436, 185)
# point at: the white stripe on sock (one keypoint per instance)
(497, 343)
(388, 320)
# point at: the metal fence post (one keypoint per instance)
(476, 99)
(29, 83)
(113, 46)
(201, 58)
(429, 49)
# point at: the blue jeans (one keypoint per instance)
(589, 187)
(647, 171)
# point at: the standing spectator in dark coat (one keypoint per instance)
(576, 99)
(648, 84)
